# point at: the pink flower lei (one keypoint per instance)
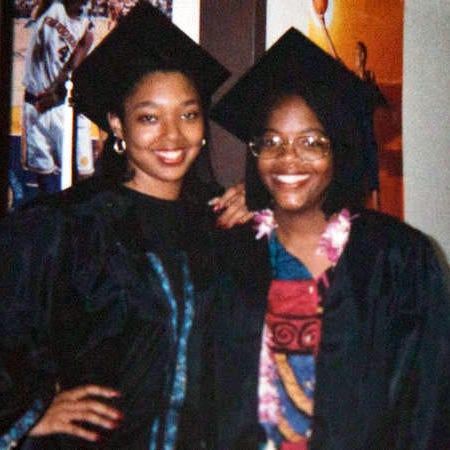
(264, 223)
(335, 237)
(332, 241)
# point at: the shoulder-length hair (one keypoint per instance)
(114, 167)
(341, 122)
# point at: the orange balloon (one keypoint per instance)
(320, 6)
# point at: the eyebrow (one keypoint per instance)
(190, 102)
(307, 130)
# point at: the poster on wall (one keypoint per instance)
(46, 35)
(367, 37)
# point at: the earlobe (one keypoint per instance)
(115, 125)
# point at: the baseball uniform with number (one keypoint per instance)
(53, 40)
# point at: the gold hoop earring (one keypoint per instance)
(203, 142)
(119, 146)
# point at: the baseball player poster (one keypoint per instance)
(51, 37)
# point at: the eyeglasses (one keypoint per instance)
(307, 147)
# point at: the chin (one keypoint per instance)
(289, 202)
(297, 205)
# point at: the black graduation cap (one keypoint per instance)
(293, 64)
(143, 40)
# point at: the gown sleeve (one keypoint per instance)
(419, 345)
(27, 281)
(431, 417)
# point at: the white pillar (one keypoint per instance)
(68, 136)
(426, 118)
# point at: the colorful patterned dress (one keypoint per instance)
(290, 345)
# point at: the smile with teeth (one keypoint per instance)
(291, 179)
(170, 156)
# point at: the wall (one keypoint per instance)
(186, 15)
(426, 118)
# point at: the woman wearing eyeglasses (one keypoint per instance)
(334, 333)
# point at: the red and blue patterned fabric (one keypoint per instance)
(290, 343)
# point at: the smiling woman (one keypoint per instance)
(297, 179)
(337, 326)
(163, 128)
(103, 286)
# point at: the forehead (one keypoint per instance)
(167, 83)
(290, 100)
(291, 109)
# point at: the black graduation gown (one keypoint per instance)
(80, 303)
(383, 368)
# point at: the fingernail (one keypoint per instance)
(115, 425)
(213, 201)
(217, 207)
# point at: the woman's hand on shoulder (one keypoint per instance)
(231, 208)
(69, 409)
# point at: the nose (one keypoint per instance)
(291, 153)
(171, 129)
(289, 150)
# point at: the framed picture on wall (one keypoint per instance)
(46, 35)
(368, 39)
